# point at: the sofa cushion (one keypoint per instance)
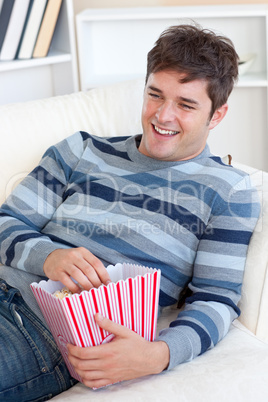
(235, 370)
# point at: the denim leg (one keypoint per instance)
(31, 366)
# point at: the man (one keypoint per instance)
(159, 199)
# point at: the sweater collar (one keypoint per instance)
(132, 144)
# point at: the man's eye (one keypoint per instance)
(185, 106)
(155, 96)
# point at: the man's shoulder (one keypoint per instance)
(216, 162)
(215, 168)
(218, 170)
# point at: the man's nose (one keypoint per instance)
(165, 112)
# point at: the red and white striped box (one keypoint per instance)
(130, 300)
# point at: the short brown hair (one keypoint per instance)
(200, 54)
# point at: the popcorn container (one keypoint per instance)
(130, 300)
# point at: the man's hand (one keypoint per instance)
(126, 357)
(79, 264)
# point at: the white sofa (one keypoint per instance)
(237, 368)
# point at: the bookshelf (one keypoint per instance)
(113, 45)
(56, 74)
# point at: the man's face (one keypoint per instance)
(175, 117)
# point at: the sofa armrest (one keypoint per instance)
(254, 300)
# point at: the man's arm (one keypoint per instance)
(27, 211)
(30, 208)
(217, 276)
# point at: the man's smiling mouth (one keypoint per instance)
(164, 132)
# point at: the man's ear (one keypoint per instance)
(218, 116)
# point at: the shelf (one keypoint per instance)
(53, 58)
(141, 13)
(253, 80)
(56, 74)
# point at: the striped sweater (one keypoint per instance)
(192, 219)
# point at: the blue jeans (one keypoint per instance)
(31, 366)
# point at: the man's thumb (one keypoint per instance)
(108, 325)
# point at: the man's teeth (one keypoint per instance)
(166, 132)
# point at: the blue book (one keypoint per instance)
(5, 14)
(14, 29)
(1, 3)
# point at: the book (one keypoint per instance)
(47, 28)
(4, 19)
(31, 30)
(1, 3)
(14, 29)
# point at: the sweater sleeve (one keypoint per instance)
(217, 276)
(32, 204)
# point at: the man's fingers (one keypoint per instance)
(88, 270)
(110, 326)
(76, 265)
(98, 266)
(70, 284)
(85, 275)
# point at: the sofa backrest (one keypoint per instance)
(28, 129)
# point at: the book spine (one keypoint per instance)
(31, 29)
(14, 29)
(47, 28)
(5, 14)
